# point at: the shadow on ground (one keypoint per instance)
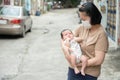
(115, 59)
(9, 37)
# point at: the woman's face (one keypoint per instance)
(85, 20)
(84, 16)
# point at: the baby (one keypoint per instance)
(74, 51)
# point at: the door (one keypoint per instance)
(27, 19)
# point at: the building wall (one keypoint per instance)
(1, 2)
(99, 4)
(12, 2)
(34, 5)
(40, 5)
(111, 19)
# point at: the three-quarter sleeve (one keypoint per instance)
(102, 42)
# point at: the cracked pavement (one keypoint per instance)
(38, 56)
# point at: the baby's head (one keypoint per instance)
(66, 33)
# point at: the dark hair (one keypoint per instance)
(91, 11)
(63, 31)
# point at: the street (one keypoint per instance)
(38, 56)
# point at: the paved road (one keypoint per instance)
(38, 56)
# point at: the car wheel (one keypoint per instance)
(30, 28)
(23, 32)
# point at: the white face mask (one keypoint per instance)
(86, 24)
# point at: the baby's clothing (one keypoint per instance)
(76, 50)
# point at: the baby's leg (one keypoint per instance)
(84, 64)
(73, 62)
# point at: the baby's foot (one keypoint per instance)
(76, 70)
(82, 72)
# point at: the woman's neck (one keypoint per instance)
(94, 27)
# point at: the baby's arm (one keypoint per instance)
(67, 42)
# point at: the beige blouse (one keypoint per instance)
(97, 41)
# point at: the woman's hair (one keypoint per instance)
(63, 31)
(92, 11)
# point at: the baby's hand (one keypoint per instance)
(70, 50)
(67, 42)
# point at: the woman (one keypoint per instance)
(94, 43)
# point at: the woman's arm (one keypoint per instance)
(65, 51)
(101, 47)
(78, 39)
(97, 60)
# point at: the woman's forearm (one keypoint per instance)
(78, 39)
(66, 54)
(97, 60)
(65, 50)
(92, 62)
(68, 59)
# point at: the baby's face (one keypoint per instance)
(67, 34)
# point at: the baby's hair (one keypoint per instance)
(63, 31)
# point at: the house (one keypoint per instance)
(30, 5)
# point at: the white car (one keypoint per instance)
(14, 20)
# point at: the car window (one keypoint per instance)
(25, 12)
(0, 8)
(9, 11)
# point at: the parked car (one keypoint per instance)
(14, 20)
(57, 6)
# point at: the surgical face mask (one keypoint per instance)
(86, 24)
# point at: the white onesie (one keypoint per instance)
(76, 50)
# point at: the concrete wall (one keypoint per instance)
(104, 15)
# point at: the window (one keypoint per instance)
(0, 2)
(6, 2)
(9, 11)
(16, 2)
(25, 12)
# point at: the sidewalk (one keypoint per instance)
(111, 44)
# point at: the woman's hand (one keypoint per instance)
(64, 47)
(66, 51)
